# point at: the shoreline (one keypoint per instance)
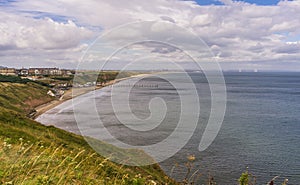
(71, 93)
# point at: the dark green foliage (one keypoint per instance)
(17, 79)
(13, 79)
(61, 78)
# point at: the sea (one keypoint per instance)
(260, 132)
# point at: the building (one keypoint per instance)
(36, 71)
(22, 72)
(67, 72)
(45, 71)
(8, 71)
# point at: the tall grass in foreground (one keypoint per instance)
(249, 179)
(26, 163)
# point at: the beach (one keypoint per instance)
(75, 92)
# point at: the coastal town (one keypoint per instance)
(61, 80)
(36, 72)
(58, 79)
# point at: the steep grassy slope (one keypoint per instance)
(22, 97)
(31, 153)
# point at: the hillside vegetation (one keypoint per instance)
(23, 97)
(31, 153)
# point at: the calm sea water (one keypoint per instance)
(261, 129)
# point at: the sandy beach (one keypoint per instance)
(74, 92)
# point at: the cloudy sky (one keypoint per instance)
(250, 34)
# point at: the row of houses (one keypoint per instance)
(7, 71)
(36, 71)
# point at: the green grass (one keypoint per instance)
(17, 79)
(22, 98)
(31, 153)
(104, 76)
(13, 79)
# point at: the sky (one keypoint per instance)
(257, 2)
(250, 34)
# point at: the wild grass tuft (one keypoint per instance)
(26, 163)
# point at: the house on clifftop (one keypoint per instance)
(8, 71)
(45, 71)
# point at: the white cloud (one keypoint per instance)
(288, 48)
(201, 20)
(26, 41)
(236, 31)
(26, 33)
